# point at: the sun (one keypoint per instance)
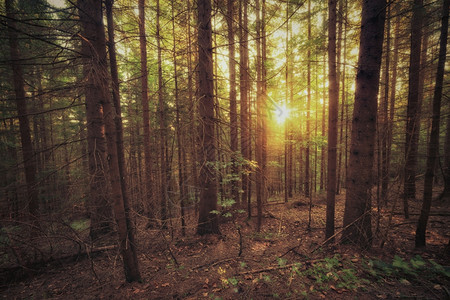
(281, 113)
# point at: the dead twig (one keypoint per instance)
(212, 264)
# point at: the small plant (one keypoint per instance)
(80, 225)
(281, 261)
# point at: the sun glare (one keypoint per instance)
(281, 113)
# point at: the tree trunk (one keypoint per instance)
(393, 90)
(358, 204)
(384, 122)
(445, 195)
(244, 92)
(433, 147)
(233, 106)
(162, 126)
(94, 65)
(24, 124)
(94, 46)
(192, 110)
(207, 221)
(122, 210)
(287, 163)
(333, 94)
(148, 172)
(179, 132)
(260, 111)
(308, 106)
(413, 109)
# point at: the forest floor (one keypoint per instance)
(286, 260)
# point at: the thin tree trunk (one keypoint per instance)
(24, 124)
(122, 210)
(192, 111)
(393, 84)
(333, 92)
(445, 195)
(433, 147)
(259, 122)
(264, 101)
(413, 109)
(339, 23)
(287, 163)
(179, 131)
(148, 172)
(384, 114)
(162, 126)
(308, 106)
(244, 92)
(358, 204)
(233, 105)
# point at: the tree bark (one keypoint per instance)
(162, 126)
(127, 232)
(333, 94)
(358, 204)
(28, 154)
(445, 195)
(244, 93)
(179, 131)
(233, 105)
(94, 64)
(413, 109)
(384, 122)
(94, 46)
(433, 146)
(148, 172)
(207, 221)
(308, 107)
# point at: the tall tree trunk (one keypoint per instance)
(122, 210)
(333, 94)
(207, 221)
(192, 110)
(24, 124)
(384, 122)
(148, 172)
(358, 204)
(445, 195)
(287, 163)
(94, 46)
(393, 84)
(94, 64)
(259, 122)
(162, 126)
(264, 101)
(308, 106)
(413, 109)
(433, 147)
(179, 131)
(233, 106)
(323, 164)
(339, 23)
(244, 92)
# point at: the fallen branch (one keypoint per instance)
(274, 268)
(212, 264)
(436, 214)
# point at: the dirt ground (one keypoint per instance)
(286, 260)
